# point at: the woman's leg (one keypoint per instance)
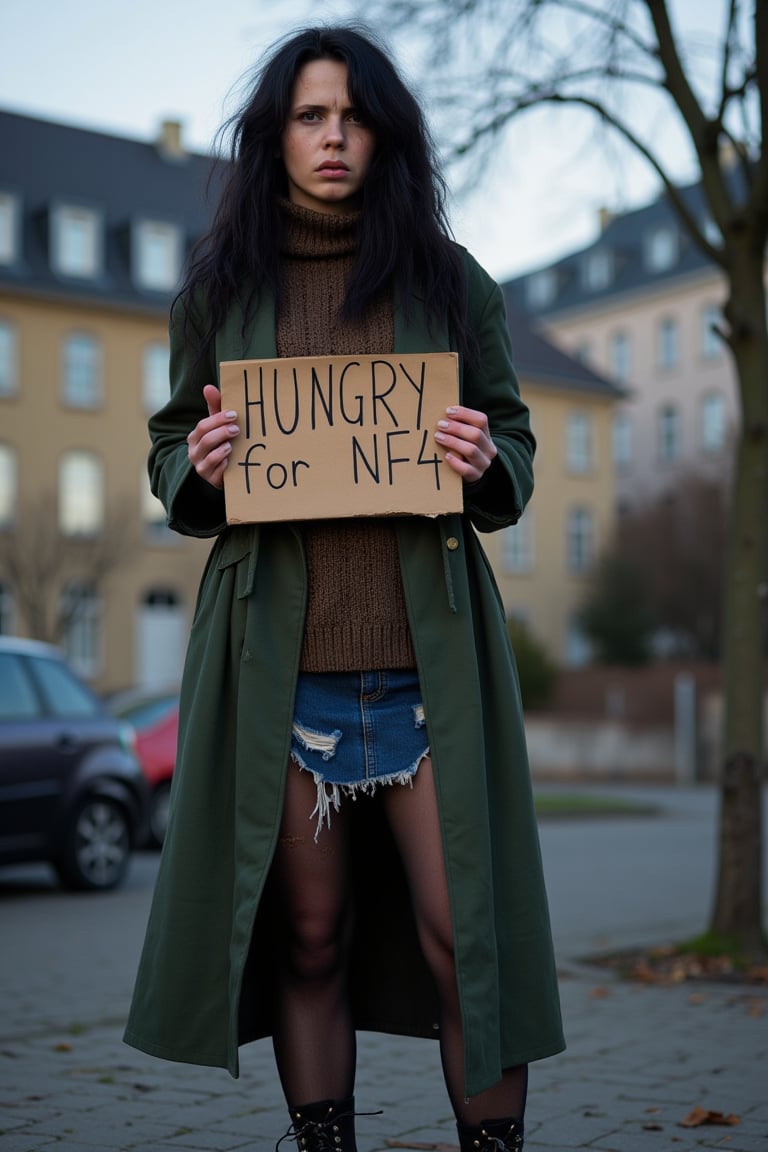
(413, 818)
(314, 1040)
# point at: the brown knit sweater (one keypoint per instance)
(356, 616)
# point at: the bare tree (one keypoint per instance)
(39, 564)
(618, 60)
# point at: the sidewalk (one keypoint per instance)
(640, 1057)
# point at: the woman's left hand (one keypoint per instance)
(469, 449)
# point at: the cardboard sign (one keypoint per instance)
(323, 437)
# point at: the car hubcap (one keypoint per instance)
(102, 842)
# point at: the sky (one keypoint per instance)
(124, 66)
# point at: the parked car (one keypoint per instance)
(71, 787)
(155, 719)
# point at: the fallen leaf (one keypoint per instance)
(653, 1127)
(699, 1116)
(62, 1047)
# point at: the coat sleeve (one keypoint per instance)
(193, 506)
(491, 386)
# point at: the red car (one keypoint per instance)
(155, 720)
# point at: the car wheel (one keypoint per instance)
(158, 814)
(97, 846)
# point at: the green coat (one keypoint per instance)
(205, 981)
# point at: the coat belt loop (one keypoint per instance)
(447, 569)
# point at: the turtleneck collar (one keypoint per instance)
(308, 234)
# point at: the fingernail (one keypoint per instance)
(439, 436)
(231, 415)
(443, 424)
(451, 411)
(233, 429)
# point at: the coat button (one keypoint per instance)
(452, 543)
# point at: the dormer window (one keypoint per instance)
(156, 255)
(662, 248)
(77, 241)
(541, 288)
(9, 228)
(597, 270)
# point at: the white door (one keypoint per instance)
(161, 636)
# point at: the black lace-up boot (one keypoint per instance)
(491, 1136)
(327, 1126)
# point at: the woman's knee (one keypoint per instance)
(315, 946)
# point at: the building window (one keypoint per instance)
(8, 485)
(583, 352)
(518, 554)
(9, 359)
(77, 242)
(9, 228)
(713, 422)
(155, 389)
(620, 353)
(153, 513)
(579, 448)
(622, 441)
(711, 231)
(81, 383)
(580, 543)
(80, 613)
(669, 433)
(597, 269)
(578, 648)
(668, 343)
(7, 611)
(711, 342)
(81, 494)
(541, 288)
(156, 255)
(661, 248)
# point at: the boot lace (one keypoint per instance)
(320, 1135)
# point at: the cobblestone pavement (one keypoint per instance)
(640, 1058)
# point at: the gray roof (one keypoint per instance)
(540, 361)
(45, 164)
(624, 240)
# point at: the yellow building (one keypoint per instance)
(642, 304)
(544, 563)
(94, 230)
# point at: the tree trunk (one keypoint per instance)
(738, 907)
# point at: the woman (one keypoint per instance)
(331, 658)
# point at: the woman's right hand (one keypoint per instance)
(209, 444)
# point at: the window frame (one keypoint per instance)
(82, 394)
(9, 360)
(63, 217)
(71, 522)
(144, 274)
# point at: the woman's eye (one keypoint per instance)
(309, 117)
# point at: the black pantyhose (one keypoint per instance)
(413, 818)
(314, 1040)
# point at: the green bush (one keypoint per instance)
(536, 670)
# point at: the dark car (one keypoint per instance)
(71, 787)
(155, 719)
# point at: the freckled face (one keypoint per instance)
(326, 148)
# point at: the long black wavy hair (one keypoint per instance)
(404, 240)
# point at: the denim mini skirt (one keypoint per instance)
(356, 730)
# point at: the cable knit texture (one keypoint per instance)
(356, 615)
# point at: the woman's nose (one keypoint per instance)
(334, 134)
